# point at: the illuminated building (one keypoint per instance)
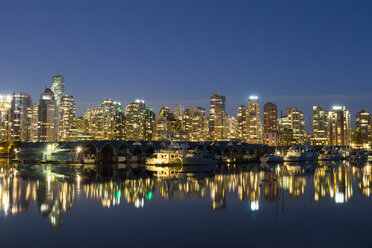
(106, 122)
(164, 124)
(296, 124)
(362, 125)
(67, 116)
(35, 123)
(242, 123)
(47, 117)
(178, 110)
(217, 118)
(58, 86)
(195, 124)
(254, 125)
(5, 107)
(339, 126)
(20, 117)
(270, 117)
(232, 126)
(139, 121)
(285, 133)
(320, 126)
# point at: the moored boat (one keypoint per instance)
(329, 154)
(300, 153)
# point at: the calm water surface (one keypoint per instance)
(251, 205)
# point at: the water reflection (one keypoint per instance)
(53, 188)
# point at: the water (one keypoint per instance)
(252, 205)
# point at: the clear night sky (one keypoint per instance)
(294, 53)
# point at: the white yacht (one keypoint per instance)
(300, 153)
(329, 153)
(271, 158)
(198, 157)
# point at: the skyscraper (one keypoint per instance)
(67, 111)
(254, 125)
(297, 124)
(48, 117)
(339, 126)
(195, 124)
(5, 107)
(135, 120)
(21, 112)
(242, 123)
(320, 126)
(218, 129)
(362, 124)
(58, 87)
(270, 116)
(178, 110)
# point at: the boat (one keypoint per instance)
(271, 158)
(328, 153)
(170, 155)
(358, 155)
(198, 157)
(300, 153)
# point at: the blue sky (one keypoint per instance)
(294, 53)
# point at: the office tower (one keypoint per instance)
(320, 126)
(362, 125)
(48, 117)
(5, 108)
(67, 116)
(339, 126)
(254, 125)
(297, 124)
(242, 123)
(195, 124)
(20, 117)
(149, 123)
(285, 132)
(118, 122)
(270, 116)
(218, 129)
(135, 120)
(35, 123)
(166, 124)
(232, 127)
(178, 110)
(58, 87)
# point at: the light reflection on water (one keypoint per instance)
(56, 189)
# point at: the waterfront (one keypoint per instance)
(324, 205)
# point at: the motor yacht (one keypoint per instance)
(300, 153)
(329, 154)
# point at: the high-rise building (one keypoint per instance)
(285, 132)
(5, 107)
(20, 117)
(135, 120)
(297, 124)
(232, 128)
(58, 87)
(339, 126)
(35, 123)
(270, 116)
(165, 124)
(362, 125)
(218, 129)
(67, 112)
(178, 110)
(242, 123)
(254, 125)
(150, 123)
(320, 126)
(195, 124)
(47, 117)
